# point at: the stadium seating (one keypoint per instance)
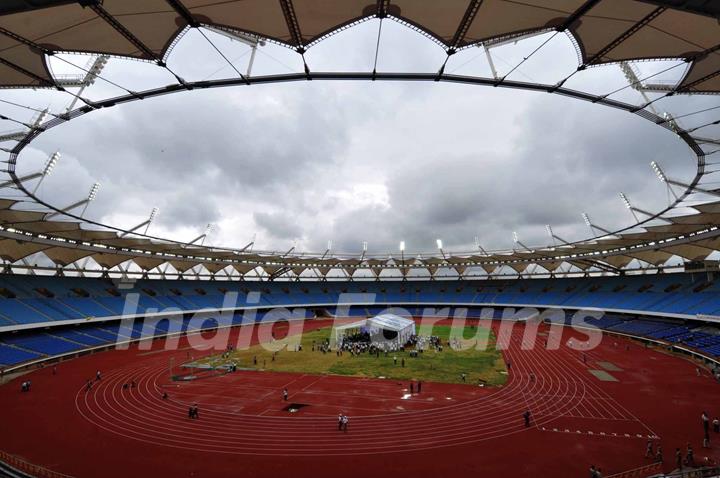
(12, 355)
(641, 327)
(43, 300)
(42, 343)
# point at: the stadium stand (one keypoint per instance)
(44, 299)
(645, 306)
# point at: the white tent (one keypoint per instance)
(403, 327)
(376, 326)
(342, 330)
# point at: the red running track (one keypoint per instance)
(578, 419)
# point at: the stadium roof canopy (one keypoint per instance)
(604, 32)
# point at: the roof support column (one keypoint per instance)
(295, 32)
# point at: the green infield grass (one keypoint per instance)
(480, 363)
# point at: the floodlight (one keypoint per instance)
(208, 229)
(625, 201)
(670, 120)
(402, 246)
(95, 70)
(549, 230)
(586, 218)
(99, 64)
(330, 244)
(515, 237)
(93, 192)
(364, 246)
(50, 164)
(153, 213)
(41, 117)
(658, 171)
(439, 243)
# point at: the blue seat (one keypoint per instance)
(13, 356)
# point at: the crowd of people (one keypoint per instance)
(715, 371)
(362, 342)
(89, 382)
(682, 459)
(425, 342)
(686, 458)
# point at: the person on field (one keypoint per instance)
(690, 456)
(285, 394)
(345, 423)
(649, 449)
(526, 417)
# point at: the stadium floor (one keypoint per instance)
(579, 417)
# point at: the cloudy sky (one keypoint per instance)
(350, 162)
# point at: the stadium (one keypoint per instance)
(133, 345)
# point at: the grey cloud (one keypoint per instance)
(179, 210)
(279, 225)
(561, 168)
